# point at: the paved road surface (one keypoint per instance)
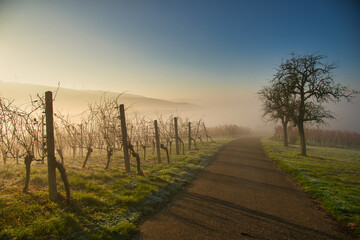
(242, 195)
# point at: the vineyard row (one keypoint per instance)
(35, 133)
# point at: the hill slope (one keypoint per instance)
(74, 101)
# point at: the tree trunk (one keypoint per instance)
(167, 152)
(302, 138)
(109, 153)
(144, 149)
(74, 152)
(182, 145)
(4, 155)
(28, 160)
(301, 124)
(192, 139)
(17, 156)
(138, 167)
(206, 134)
(60, 152)
(286, 139)
(63, 175)
(202, 143)
(89, 151)
(137, 157)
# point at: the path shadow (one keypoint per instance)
(242, 165)
(226, 179)
(309, 233)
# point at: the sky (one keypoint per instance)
(221, 52)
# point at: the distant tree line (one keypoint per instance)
(298, 91)
(323, 137)
(229, 131)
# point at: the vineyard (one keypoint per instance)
(109, 162)
(323, 137)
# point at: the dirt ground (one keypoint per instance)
(242, 195)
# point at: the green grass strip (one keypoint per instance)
(330, 175)
(108, 204)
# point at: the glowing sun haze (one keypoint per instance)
(204, 52)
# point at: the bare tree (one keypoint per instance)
(106, 117)
(277, 104)
(311, 84)
(19, 129)
(166, 128)
(89, 135)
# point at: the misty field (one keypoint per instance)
(106, 204)
(331, 175)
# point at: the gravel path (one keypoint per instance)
(242, 195)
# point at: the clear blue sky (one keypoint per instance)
(185, 49)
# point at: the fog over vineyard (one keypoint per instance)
(242, 109)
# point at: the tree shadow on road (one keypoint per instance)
(263, 219)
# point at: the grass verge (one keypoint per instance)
(330, 175)
(107, 204)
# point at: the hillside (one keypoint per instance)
(74, 101)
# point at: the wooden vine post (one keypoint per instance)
(176, 135)
(189, 136)
(43, 144)
(157, 141)
(50, 145)
(81, 141)
(124, 138)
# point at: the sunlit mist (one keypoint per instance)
(215, 58)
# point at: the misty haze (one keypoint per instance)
(179, 119)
